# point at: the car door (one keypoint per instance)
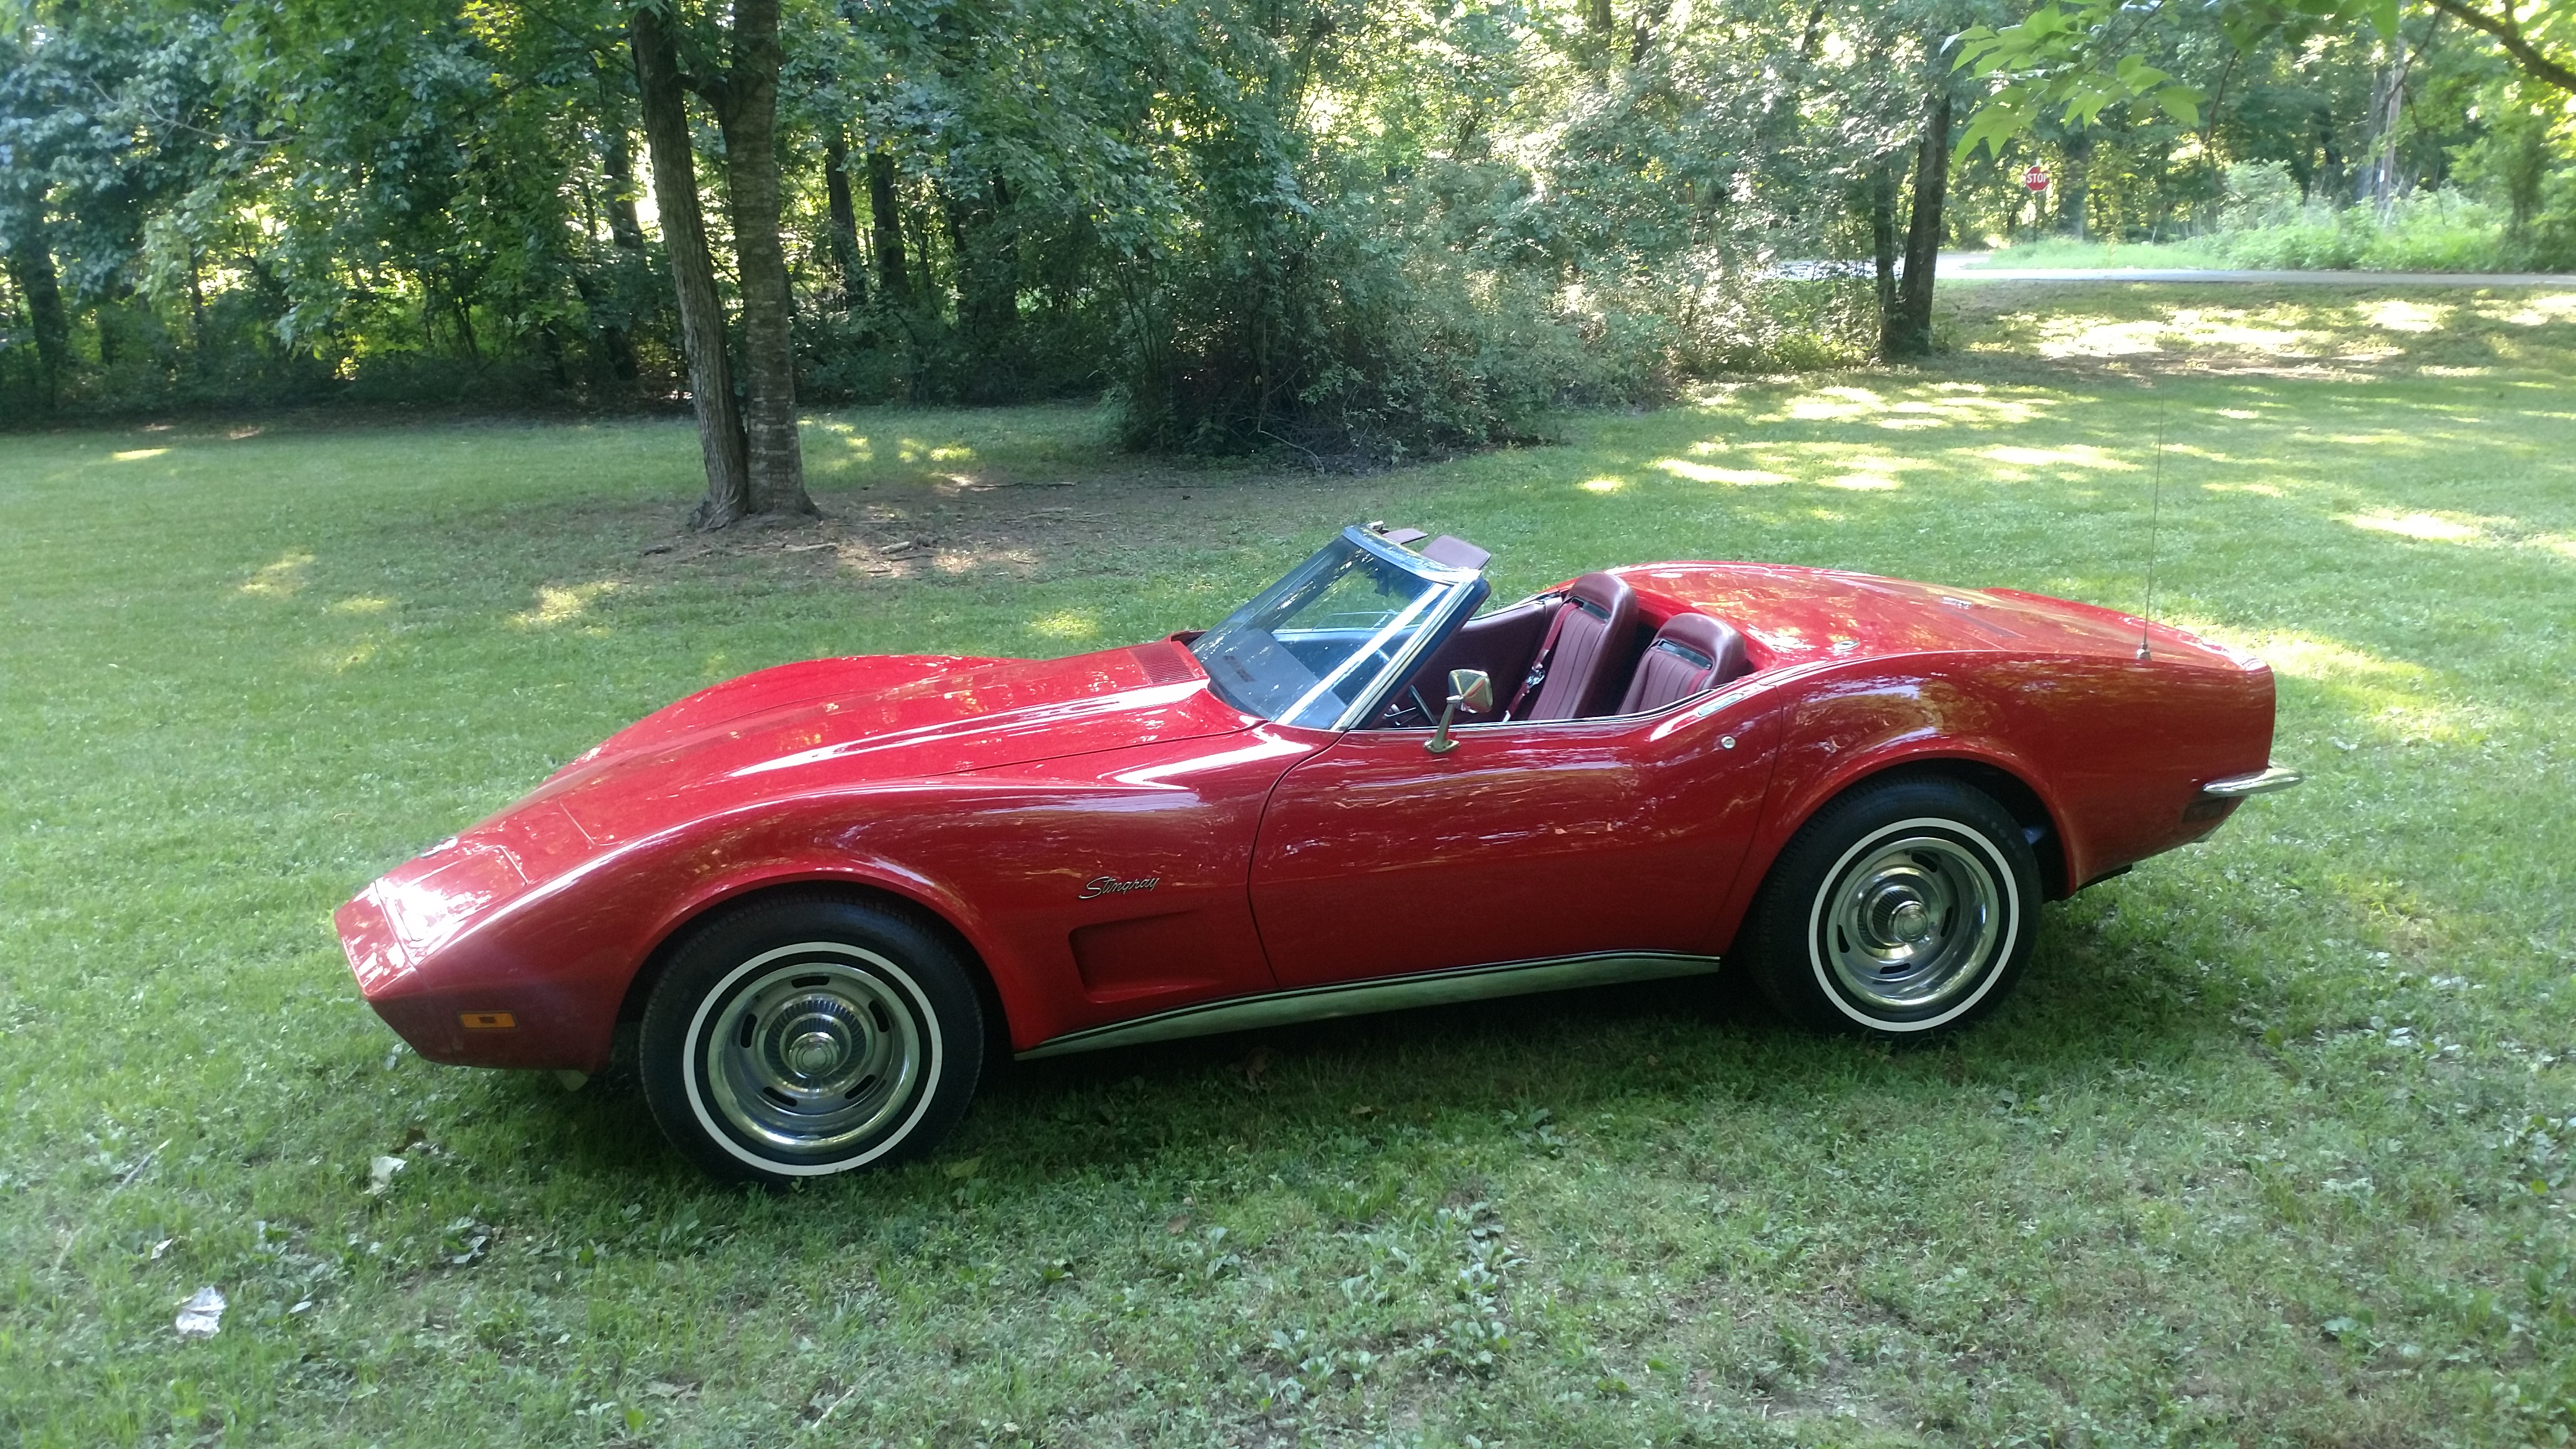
(1528, 841)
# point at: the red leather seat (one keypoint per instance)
(1579, 666)
(1691, 652)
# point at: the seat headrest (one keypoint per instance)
(1691, 652)
(1602, 594)
(1719, 647)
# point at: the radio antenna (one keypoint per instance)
(2155, 514)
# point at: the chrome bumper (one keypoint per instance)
(2264, 782)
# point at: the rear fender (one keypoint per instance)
(1849, 729)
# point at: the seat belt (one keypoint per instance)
(1539, 661)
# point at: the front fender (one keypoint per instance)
(555, 960)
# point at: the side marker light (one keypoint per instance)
(487, 1020)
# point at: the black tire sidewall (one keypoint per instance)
(714, 959)
(1782, 936)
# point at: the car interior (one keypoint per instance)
(1589, 651)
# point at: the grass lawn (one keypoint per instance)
(2059, 251)
(2272, 1145)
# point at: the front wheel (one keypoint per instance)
(1902, 908)
(802, 1036)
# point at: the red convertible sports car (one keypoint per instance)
(822, 893)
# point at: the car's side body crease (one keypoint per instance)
(1386, 993)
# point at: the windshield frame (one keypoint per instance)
(1454, 593)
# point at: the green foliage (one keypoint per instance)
(2067, 62)
(1292, 224)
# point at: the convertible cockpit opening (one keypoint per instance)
(1369, 629)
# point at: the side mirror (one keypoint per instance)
(1469, 687)
(1473, 689)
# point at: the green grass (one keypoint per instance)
(2271, 1146)
(2067, 252)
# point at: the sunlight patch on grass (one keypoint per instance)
(2428, 527)
(1603, 484)
(560, 604)
(1733, 477)
(1835, 404)
(955, 561)
(1867, 472)
(2259, 490)
(363, 604)
(2076, 455)
(2305, 656)
(2396, 314)
(281, 579)
(1973, 405)
(1068, 624)
(914, 450)
(2103, 339)
(2531, 311)
(137, 455)
(341, 661)
(2396, 697)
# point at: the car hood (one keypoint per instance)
(822, 727)
(836, 724)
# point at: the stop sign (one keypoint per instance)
(2036, 178)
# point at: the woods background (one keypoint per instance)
(1309, 225)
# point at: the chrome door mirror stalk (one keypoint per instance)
(1469, 687)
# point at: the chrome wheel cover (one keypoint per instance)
(1913, 920)
(810, 1051)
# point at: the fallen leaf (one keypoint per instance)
(203, 1317)
(380, 1174)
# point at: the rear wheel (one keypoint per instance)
(1903, 908)
(808, 1035)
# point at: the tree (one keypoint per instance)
(693, 272)
(2080, 56)
(1907, 331)
(743, 93)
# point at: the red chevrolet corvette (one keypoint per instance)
(820, 891)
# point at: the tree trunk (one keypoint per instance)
(693, 272)
(626, 233)
(979, 236)
(845, 221)
(31, 262)
(1882, 243)
(625, 229)
(885, 222)
(1910, 334)
(748, 115)
(2075, 189)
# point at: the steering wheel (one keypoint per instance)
(1402, 715)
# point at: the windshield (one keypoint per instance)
(1319, 642)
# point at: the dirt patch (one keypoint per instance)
(967, 527)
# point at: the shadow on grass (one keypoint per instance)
(1317, 1092)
